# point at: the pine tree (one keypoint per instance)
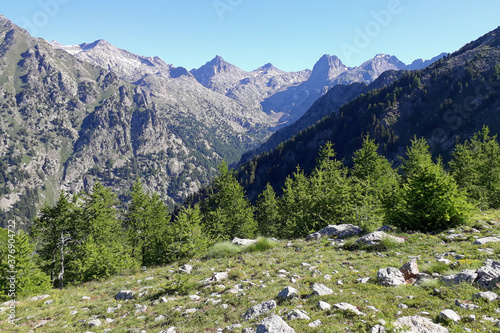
(295, 206)
(29, 278)
(57, 232)
(228, 212)
(331, 194)
(187, 237)
(267, 212)
(375, 181)
(429, 199)
(104, 248)
(476, 168)
(146, 223)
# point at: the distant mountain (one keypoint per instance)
(449, 100)
(247, 88)
(420, 63)
(330, 72)
(70, 116)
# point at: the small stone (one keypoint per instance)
(324, 306)
(259, 309)
(297, 315)
(321, 290)
(288, 293)
(363, 280)
(48, 302)
(410, 269)
(186, 269)
(348, 307)
(94, 323)
(488, 296)
(274, 324)
(39, 298)
(315, 323)
(486, 240)
(125, 294)
(390, 277)
(449, 315)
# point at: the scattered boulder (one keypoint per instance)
(449, 315)
(467, 305)
(486, 240)
(467, 275)
(243, 242)
(488, 296)
(390, 277)
(259, 309)
(169, 330)
(418, 324)
(338, 231)
(324, 306)
(348, 307)
(288, 293)
(321, 290)
(376, 237)
(297, 315)
(315, 324)
(39, 298)
(217, 277)
(94, 323)
(274, 324)
(125, 294)
(488, 274)
(232, 328)
(186, 269)
(410, 269)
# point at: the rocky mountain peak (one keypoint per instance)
(327, 68)
(215, 67)
(98, 44)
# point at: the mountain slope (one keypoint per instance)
(452, 98)
(331, 102)
(66, 123)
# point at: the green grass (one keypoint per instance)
(257, 273)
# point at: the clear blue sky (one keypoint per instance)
(291, 34)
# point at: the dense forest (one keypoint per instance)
(93, 235)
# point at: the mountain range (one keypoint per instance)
(444, 103)
(72, 115)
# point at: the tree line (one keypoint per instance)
(85, 237)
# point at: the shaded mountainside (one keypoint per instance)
(334, 99)
(65, 123)
(453, 98)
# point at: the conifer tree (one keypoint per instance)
(187, 237)
(228, 212)
(104, 249)
(429, 199)
(375, 181)
(476, 168)
(146, 223)
(267, 212)
(28, 277)
(295, 206)
(57, 231)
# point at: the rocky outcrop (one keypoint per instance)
(418, 324)
(337, 231)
